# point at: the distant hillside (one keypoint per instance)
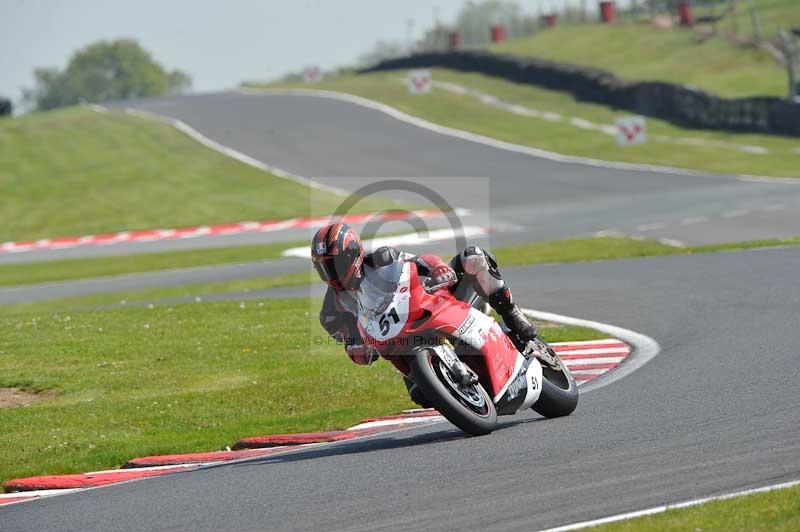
(639, 51)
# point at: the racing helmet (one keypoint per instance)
(337, 254)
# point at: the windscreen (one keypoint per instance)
(378, 288)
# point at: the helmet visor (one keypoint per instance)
(336, 269)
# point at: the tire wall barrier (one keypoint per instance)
(5, 107)
(679, 104)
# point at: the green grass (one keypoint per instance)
(581, 249)
(142, 381)
(776, 511)
(64, 270)
(609, 248)
(637, 51)
(467, 113)
(157, 295)
(76, 172)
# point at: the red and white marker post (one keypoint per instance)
(419, 81)
(312, 74)
(631, 130)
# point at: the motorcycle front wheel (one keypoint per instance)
(469, 408)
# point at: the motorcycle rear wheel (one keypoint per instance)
(559, 395)
(469, 408)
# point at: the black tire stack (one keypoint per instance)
(679, 104)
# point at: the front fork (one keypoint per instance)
(460, 372)
(523, 391)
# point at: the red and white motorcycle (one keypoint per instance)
(459, 357)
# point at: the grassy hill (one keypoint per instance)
(637, 51)
(75, 171)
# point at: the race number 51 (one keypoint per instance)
(419, 81)
(631, 130)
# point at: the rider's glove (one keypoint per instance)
(362, 354)
(442, 276)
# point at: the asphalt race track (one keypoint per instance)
(335, 141)
(714, 412)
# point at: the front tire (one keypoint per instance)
(559, 395)
(469, 408)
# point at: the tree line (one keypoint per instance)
(103, 71)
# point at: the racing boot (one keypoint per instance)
(521, 330)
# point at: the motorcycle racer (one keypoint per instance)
(339, 258)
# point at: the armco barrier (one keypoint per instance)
(679, 104)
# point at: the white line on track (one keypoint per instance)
(494, 143)
(602, 360)
(694, 220)
(578, 372)
(605, 342)
(230, 152)
(606, 233)
(651, 227)
(400, 240)
(644, 347)
(36, 493)
(736, 213)
(672, 242)
(397, 422)
(601, 351)
(675, 506)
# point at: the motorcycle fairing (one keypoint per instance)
(410, 313)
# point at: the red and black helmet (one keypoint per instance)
(337, 254)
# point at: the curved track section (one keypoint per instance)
(713, 413)
(332, 139)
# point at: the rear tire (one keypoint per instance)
(475, 415)
(559, 395)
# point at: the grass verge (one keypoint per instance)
(558, 251)
(76, 172)
(142, 381)
(607, 248)
(767, 512)
(17, 274)
(134, 298)
(65, 270)
(708, 151)
(640, 52)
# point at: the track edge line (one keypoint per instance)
(490, 141)
(674, 506)
(644, 347)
